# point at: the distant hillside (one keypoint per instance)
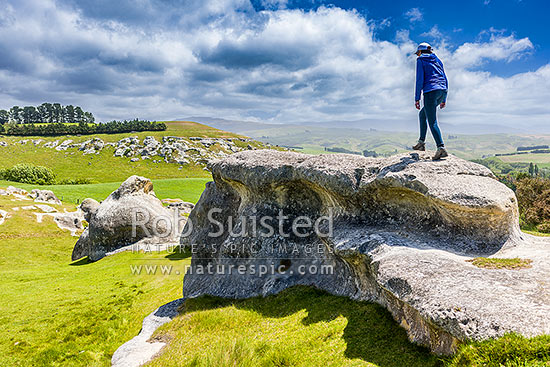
(348, 136)
(363, 124)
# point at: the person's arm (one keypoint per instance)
(446, 83)
(419, 80)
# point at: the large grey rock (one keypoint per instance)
(131, 214)
(403, 229)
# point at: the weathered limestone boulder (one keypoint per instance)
(131, 215)
(398, 231)
(44, 196)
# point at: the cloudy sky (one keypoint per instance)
(275, 60)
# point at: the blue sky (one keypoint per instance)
(458, 22)
(275, 60)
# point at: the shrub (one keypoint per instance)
(74, 181)
(29, 173)
(534, 201)
(544, 227)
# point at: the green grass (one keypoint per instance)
(104, 167)
(527, 158)
(511, 350)
(187, 189)
(496, 263)
(301, 326)
(57, 314)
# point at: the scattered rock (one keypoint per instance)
(44, 196)
(3, 216)
(3, 144)
(29, 207)
(71, 221)
(45, 208)
(131, 214)
(64, 145)
(15, 190)
(396, 231)
(51, 144)
(3, 192)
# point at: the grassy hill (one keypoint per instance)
(57, 314)
(187, 189)
(105, 167)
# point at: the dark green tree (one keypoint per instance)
(57, 113)
(78, 114)
(15, 114)
(69, 113)
(4, 117)
(28, 114)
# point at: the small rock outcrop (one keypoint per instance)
(398, 231)
(131, 215)
(44, 196)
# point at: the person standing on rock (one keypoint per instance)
(430, 79)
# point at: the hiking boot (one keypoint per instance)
(420, 146)
(441, 153)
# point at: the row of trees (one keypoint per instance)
(46, 113)
(82, 128)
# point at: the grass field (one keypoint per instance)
(57, 314)
(187, 189)
(543, 158)
(306, 327)
(104, 167)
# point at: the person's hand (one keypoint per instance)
(417, 105)
(442, 105)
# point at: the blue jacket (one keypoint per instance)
(429, 75)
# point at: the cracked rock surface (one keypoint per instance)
(403, 228)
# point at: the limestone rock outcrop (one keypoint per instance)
(44, 196)
(131, 215)
(398, 231)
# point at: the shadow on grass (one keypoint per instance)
(178, 254)
(371, 334)
(82, 261)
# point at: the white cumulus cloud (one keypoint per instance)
(222, 58)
